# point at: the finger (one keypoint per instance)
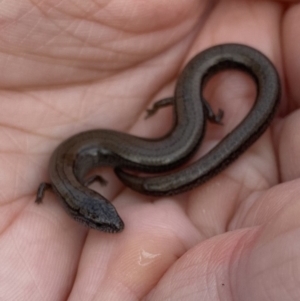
(240, 265)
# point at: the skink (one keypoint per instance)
(75, 157)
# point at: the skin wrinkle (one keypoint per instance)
(21, 175)
(25, 263)
(96, 45)
(241, 197)
(4, 200)
(236, 254)
(64, 61)
(238, 181)
(7, 60)
(237, 204)
(21, 17)
(82, 8)
(61, 30)
(17, 178)
(99, 22)
(48, 56)
(120, 26)
(208, 271)
(249, 209)
(80, 112)
(62, 113)
(133, 293)
(13, 167)
(28, 132)
(173, 233)
(85, 43)
(78, 117)
(11, 138)
(4, 196)
(28, 34)
(53, 108)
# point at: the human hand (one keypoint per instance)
(69, 67)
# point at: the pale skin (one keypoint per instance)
(71, 66)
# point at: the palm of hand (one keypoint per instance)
(236, 236)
